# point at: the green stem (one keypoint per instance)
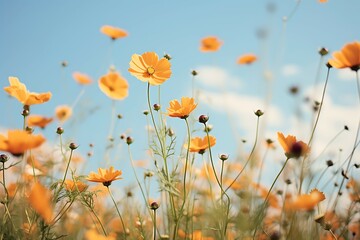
(67, 168)
(118, 212)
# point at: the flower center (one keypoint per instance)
(150, 70)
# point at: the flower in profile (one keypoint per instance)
(292, 147)
(307, 202)
(40, 201)
(38, 121)
(105, 176)
(113, 32)
(19, 141)
(114, 86)
(247, 59)
(63, 112)
(199, 144)
(210, 44)
(148, 68)
(18, 90)
(182, 110)
(348, 57)
(73, 186)
(81, 78)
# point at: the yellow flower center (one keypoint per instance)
(150, 70)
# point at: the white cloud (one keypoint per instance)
(346, 74)
(216, 77)
(290, 70)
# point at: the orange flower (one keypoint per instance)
(105, 176)
(182, 110)
(199, 145)
(72, 186)
(63, 112)
(292, 147)
(113, 32)
(18, 141)
(18, 90)
(81, 78)
(40, 201)
(247, 59)
(92, 234)
(38, 121)
(148, 68)
(348, 57)
(323, 1)
(210, 44)
(307, 202)
(114, 86)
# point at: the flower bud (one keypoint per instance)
(223, 157)
(119, 116)
(167, 56)
(323, 51)
(145, 112)
(157, 107)
(329, 163)
(154, 206)
(194, 73)
(203, 118)
(259, 113)
(59, 130)
(4, 158)
(73, 146)
(129, 140)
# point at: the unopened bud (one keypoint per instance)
(59, 130)
(4, 158)
(259, 113)
(157, 107)
(323, 51)
(129, 140)
(154, 206)
(73, 146)
(203, 118)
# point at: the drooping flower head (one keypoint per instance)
(199, 144)
(113, 32)
(148, 68)
(81, 78)
(182, 110)
(18, 90)
(19, 141)
(105, 176)
(114, 86)
(247, 59)
(38, 121)
(292, 147)
(348, 57)
(210, 44)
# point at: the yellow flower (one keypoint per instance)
(72, 186)
(114, 86)
(199, 144)
(148, 68)
(18, 141)
(292, 147)
(105, 176)
(63, 113)
(38, 121)
(247, 59)
(18, 90)
(81, 78)
(210, 44)
(348, 57)
(113, 32)
(40, 201)
(182, 110)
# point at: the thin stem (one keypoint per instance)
(154, 224)
(67, 168)
(118, 212)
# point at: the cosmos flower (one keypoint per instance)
(148, 68)
(113, 32)
(292, 147)
(199, 144)
(63, 112)
(81, 78)
(182, 110)
(114, 86)
(247, 59)
(307, 202)
(72, 186)
(19, 91)
(40, 201)
(105, 176)
(38, 121)
(348, 57)
(210, 44)
(19, 141)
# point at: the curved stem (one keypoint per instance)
(118, 212)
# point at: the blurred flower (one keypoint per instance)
(18, 90)
(72, 186)
(292, 147)
(210, 44)
(247, 59)
(114, 86)
(199, 144)
(40, 201)
(307, 202)
(323, 1)
(81, 78)
(92, 234)
(63, 112)
(148, 68)
(182, 110)
(18, 141)
(105, 176)
(348, 57)
(113, 32)
(38, 121)
(12, 189)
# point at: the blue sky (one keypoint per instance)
(36, 36)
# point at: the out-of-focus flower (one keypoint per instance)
(114, 86)
(348, 57)
(322, 1)
(199, 144)
(40, 201)
(105, 176)
(272, 198)
(210, 44)
(63, 112)
(306, 202)
(82, 78)
(18, 90)
(72, 186)
(148, 68)
(292, 147)
(182, 110)
(113, 32)
(92, 234)
(38, 121)
(247, 59)
(18, 141)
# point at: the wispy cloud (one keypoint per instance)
(216, 77)
(290, 70)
